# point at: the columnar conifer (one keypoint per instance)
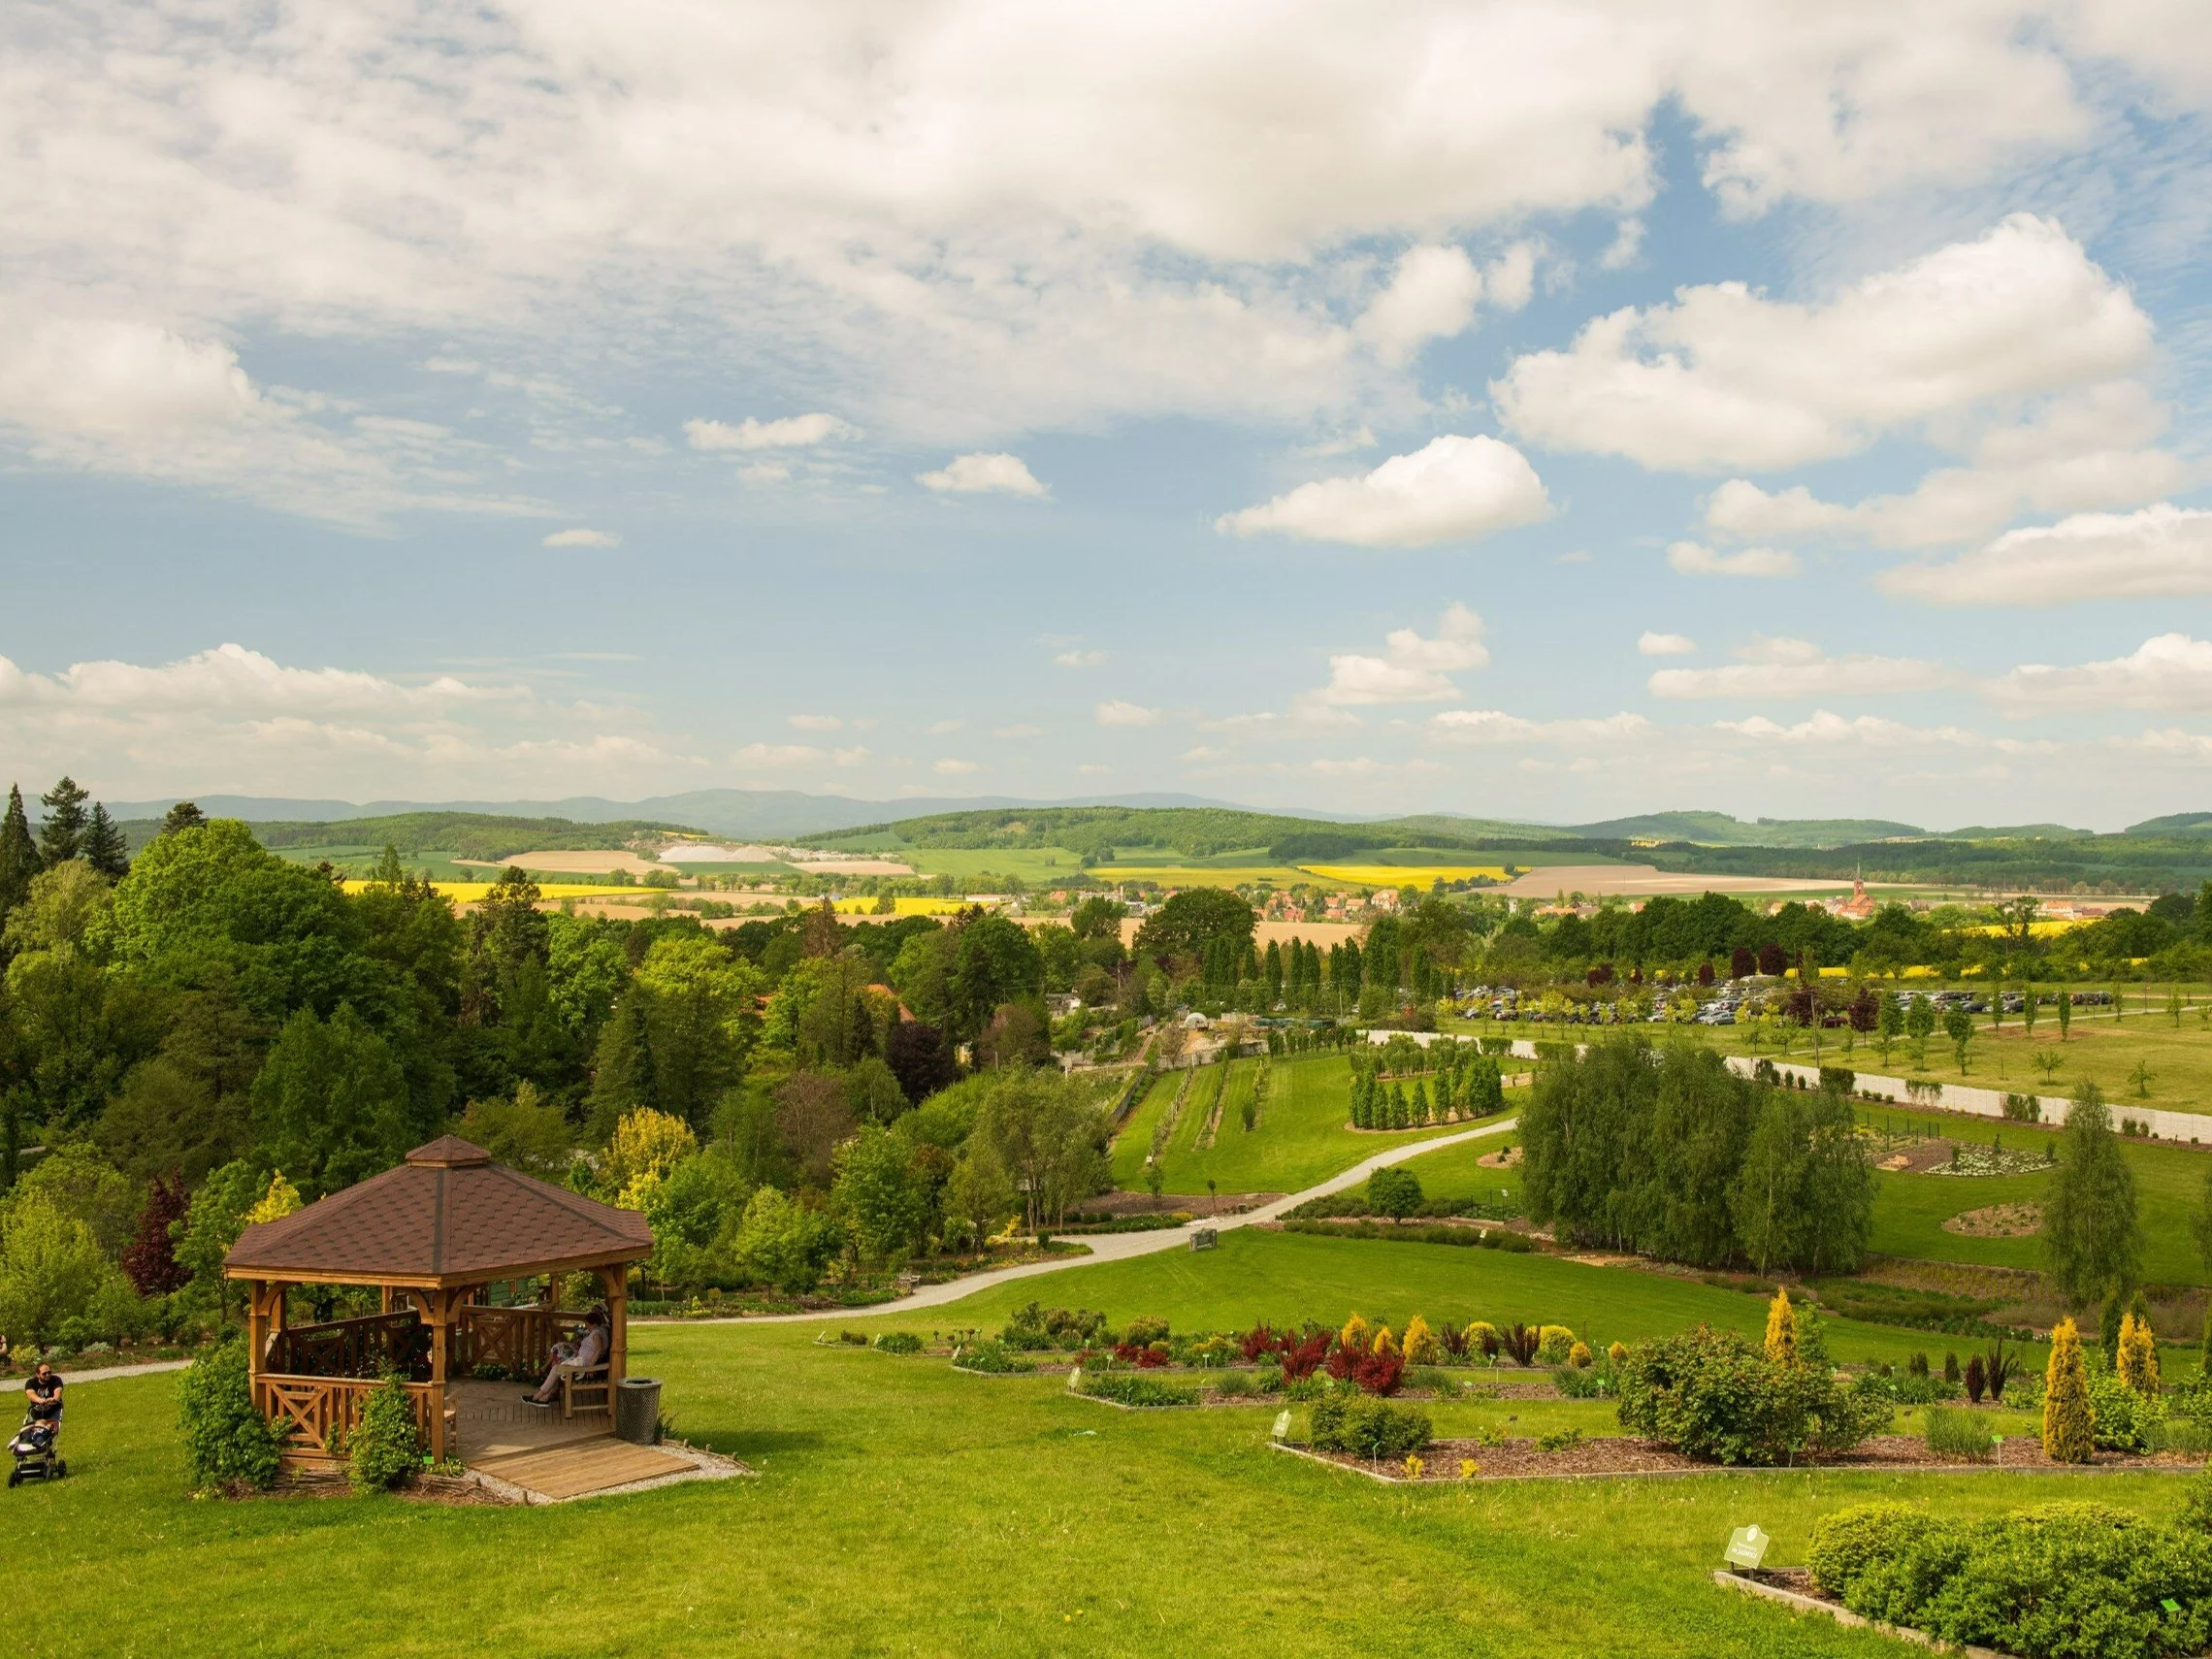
(1782, 1328)
(2070, 1422)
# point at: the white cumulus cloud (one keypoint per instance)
(1726, 377)
(1412, 668)
(2171, 672)
(981, 474)
(815, 722)
(582, 538)
(1454, 489)
(1431, 295)
(2159, 552)
(788, 432)
(1121, 712)
(1491, 725)
(1783, 668)
(1693, 559)
(1650, 644)
(778, 755)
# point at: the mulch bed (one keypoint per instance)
(1519, 1459)
(452, 1491)
(1122, 1204)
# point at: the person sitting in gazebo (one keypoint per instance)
(586, 1352)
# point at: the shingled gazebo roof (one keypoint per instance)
(448, 1216)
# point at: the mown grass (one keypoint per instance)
(1301, 1137)
(1453, 1172)
(902, 1509)
(1290, 1278)
(2098, 1048)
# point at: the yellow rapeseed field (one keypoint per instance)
(1401, 875)
(904, 906)
(471, 892)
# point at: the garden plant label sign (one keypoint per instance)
(1747, 1548)
(1281, 1429)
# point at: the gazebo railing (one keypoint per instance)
(315, 1415)
(518, 1339)
(367, 1347)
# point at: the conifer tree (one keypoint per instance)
(20, 859)
(105, 848)
(1419, 1110)
(2138, 1355)
(184, 815)
(1781, 1328)
(2070, 1422)
(61, 836)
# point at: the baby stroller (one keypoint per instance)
(34, 1452)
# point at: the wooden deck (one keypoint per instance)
(549, 1457)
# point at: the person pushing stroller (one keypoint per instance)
(33, 1447)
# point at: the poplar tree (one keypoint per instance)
(2090, 1243)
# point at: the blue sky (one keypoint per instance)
(1538, 412)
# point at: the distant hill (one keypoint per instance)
(743, 814)
(2021, 832)
(1719, 829)
(2179, 823)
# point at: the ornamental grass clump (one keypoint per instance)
(1953, 1433)
(1135, 1389)
(2069, 1424)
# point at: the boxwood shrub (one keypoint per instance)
(2064, 1580)
(1368, 1426)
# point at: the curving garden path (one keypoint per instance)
(1119, 1247)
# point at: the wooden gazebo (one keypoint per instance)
(433, 1235)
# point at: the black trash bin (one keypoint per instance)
(637, 1410)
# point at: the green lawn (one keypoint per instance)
(2098, 1048)
(1135, 1139)
(1288, 1278)
(1301, 1137)
(904, 1509)
(1910, 1210)
(1452, 1172)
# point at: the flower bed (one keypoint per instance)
(1511, 1459)
(1136, 1389)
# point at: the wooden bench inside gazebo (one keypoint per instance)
(435, 1236)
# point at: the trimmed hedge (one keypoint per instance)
(2064, 1580)
(1474, 1238)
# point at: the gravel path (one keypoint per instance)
(1120, 1246)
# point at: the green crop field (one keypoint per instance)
(904, 1509)
(1038, 866)
(1301, 1137)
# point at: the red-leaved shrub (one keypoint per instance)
(1380, 1373)
(1258, 1340)
(1302, 1355)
